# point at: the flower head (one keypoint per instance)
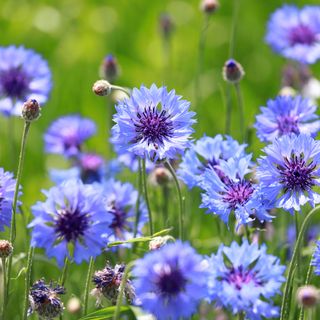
(109, 68)
(207, 153)
(73, 213)
(299, 37)
(171, 281)
(232, 71)
(286, 115)
(7, 187)
(66, 135)
(24, 75)
(290, 171)
(154, 123)
(6, 249)
(44, 300)
(226, 189)
(244, 278)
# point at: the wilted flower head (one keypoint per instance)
(6, 249)
(7, 187)
(290, 172)
(108, 280)
(153, 123)
(73, 214)
(171, 281)
(66, 135)
(299, 37)
(24, 75)
(207, 153)
(286, 115)
(232, 71)
(244, 278)
(44, 300)
(109, 68)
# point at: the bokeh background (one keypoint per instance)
(75, 35)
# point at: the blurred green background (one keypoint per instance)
(75, 35)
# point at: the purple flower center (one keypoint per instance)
(71, 225)
(14, 83)
(238, 193)
(288, 124)
(302, 34)
(171, 281)
(119, 222)
(153, 126)
(240, 276)
(296, 174)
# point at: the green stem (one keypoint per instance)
(296, 221)
(121, 291)
(181, 217)
(127, 92)
(145, 192)
(286, 296)
(4, 285)
(86, 290)
(165, 202)
(236, 5)
(229, 109)
(64, 271)
(137, 218)
(241, 111)
(27, 283)
(14, 205)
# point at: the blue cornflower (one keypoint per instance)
(120, 200)
(286, 115)
(170, 281)
(154, 123)
(207, 152)
(73, 213)
(66, 135)
(24, 75)
(227, 189)
(7, 187)
(295, 33)
(290, 171)
(316, 259)
(244, 278)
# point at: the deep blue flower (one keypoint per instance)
(290, 172)
(244, 278)
(226, 189)
(7, 187)
(207, 152)
(286, 115)
(66, 135)
(73, 213)
(295, 33)
(120, 200)
(316, 259)
(24, 75)
(154, 123)
(171, 281)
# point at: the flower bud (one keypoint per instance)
(308, 296)
(31, 110)
(102, 88)
(160, 176)
(158, 242)
(5, 249)
(74, 305)
(109, 69)
(209, 6)
(166, 25)
(232, 71)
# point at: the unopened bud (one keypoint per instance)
(166, 25)
(160, 176)
(308, 296)
(109, 68)
(232, 71)
(209, 6)
(5, 249)
(158, 242)
(102, 88)
(74, 305)
(31, 110)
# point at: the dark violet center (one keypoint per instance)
(238, 193)
(71, 225)
(119, 222)
(288, 124)
(302, 34)
(296, 174)
(240, 276)
(171, 282)
(153, 126)
(14, 83)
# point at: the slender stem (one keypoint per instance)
(296, 221)
(241, 111)
(229, 108)
(86, 291)
(4, 285)
(181, 217)
(236, 5)
(165, 202)
(14, 205)
(64, 271)
(127, 92)
(137, 218)
(27, 283)
(241, 316)
(286, 296)
(145, 191)
(121, 291)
